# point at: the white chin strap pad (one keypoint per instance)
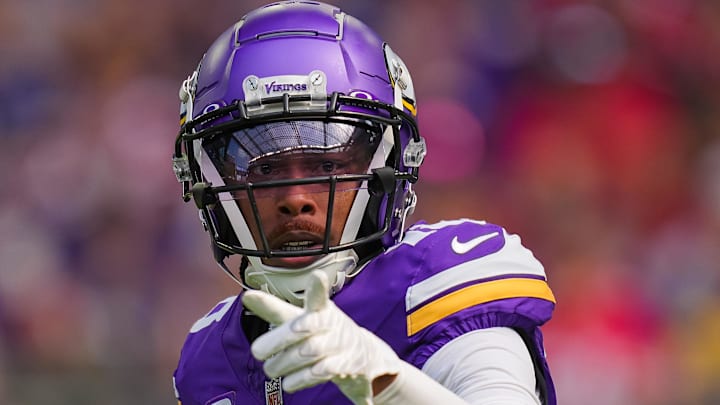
(289, 284)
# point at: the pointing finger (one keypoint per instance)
(318, 292)
(269, 307)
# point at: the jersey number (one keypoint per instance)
(215, 315)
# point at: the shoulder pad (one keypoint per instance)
(468, 264)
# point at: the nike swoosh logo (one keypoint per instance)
(463, 247)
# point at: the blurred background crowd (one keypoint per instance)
(590, 128)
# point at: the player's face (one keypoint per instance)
(295, 217)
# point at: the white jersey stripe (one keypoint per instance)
(513, 258)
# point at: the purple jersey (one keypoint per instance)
(441, 281)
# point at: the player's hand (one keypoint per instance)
(319, 343)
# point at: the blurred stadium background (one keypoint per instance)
(590, 128)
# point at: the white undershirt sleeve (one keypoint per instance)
(487, 366)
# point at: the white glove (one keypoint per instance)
(319, 343)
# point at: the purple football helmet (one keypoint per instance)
(299, 81)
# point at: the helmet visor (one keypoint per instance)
(293, 150)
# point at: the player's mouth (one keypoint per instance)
(295, 241)
(296, 246)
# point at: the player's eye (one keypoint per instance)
(329, 167)
(264, 168)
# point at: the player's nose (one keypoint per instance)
(296, 202)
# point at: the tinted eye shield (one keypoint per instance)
(338, 107)
(292, 149)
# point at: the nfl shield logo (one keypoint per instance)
(273, 392)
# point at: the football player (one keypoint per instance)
(299, 145)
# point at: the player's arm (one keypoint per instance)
(320, 343)
(487, 366)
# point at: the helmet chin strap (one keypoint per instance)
(289, 284)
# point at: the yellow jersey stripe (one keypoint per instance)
(474, 295)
